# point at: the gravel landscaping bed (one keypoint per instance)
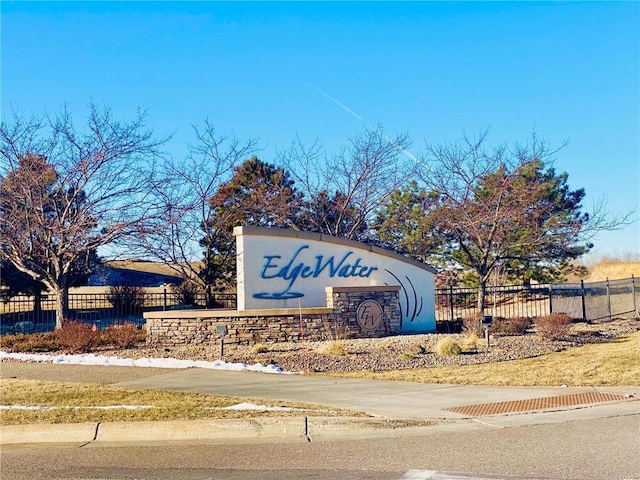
(392, 353)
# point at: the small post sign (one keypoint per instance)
(487, 321)
(221, 331)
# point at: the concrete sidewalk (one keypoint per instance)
(416, 401)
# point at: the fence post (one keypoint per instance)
(164, 299)
(584, 303)
(550, 298)
(451, 301)
(608, 299)
(633, 294)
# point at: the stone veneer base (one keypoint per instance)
(247, 327)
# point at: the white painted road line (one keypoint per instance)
(435, 475)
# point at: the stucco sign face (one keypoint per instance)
(289, 269)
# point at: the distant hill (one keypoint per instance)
(613, 270)
(129, 272)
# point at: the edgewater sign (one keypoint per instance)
(288, 269)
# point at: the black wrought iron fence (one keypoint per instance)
(507, 301)
(24, 314)
(587, 301)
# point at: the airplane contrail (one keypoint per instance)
(355, 115)
(338, 102)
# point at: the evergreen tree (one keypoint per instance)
(259, 194)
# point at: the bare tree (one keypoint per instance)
(67, 192)
(343, 191)
(179, 238)
(506, 209)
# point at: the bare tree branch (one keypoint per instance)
(185, 192)
(344, 190)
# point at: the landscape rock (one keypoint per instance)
(392, 353)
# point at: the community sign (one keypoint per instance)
(279, 268)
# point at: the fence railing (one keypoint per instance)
(597, 300)
(28, 314)
(588, 301)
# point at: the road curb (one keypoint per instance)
(330, 426)
(202, 429)
(214, 429)
(48, 433)
(305, 428)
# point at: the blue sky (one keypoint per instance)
(568, 70)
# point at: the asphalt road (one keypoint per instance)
(606, 448)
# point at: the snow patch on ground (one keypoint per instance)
(238, 406)
(92, 359)
(262, 408)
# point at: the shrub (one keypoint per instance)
(259, 348)
(406, 356)
(9, 342)
(333, 347)
(124, 335)
(470, 343)
(554, 326)
(34, 343)
(186, 292)
(472, 326)
(77, 337)
(415, 349)
(510, 326)
(335, 331)
(126, 299)
(447, 346)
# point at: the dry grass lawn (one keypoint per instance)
(614, 363)
(67, 402)
(141, 266)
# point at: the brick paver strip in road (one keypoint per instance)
(536, 404)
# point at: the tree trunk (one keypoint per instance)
(210, 298)
(62, 305)
(37, 306)
(482, 293)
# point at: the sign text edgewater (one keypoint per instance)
(293, 269)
